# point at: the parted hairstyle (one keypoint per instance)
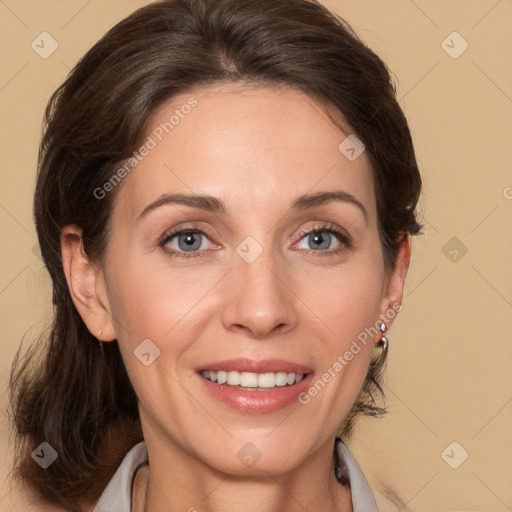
(68, 391)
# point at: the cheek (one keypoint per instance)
(346, 300)
(149, 300)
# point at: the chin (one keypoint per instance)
(258, 455)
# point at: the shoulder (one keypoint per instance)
(117, 495)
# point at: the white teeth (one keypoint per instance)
(281, 378)
(253, 380)
(233, 379)
(248, 380)
(266, 380)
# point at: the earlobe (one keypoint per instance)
(86, 285)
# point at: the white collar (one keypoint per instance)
(117, 495)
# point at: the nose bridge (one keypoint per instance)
(258, 298)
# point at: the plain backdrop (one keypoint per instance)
(449, 378)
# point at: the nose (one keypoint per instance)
(258, 298)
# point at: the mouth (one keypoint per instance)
(255, 386)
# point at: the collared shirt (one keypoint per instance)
(117, 496)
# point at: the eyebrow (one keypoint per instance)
(214, 205)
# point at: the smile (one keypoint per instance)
(250, 381)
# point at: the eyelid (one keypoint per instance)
(325, 226)
(188, 227)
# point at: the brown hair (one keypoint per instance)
(77, 396)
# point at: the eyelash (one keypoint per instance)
(323, 228)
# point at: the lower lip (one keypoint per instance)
(257, 401)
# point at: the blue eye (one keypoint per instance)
(184, 241)
(319, 240)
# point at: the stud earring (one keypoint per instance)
(100, 343)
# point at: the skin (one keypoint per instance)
(257, 149)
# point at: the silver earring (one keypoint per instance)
(383, 340)
(99, 332)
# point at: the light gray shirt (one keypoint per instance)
(117, 496)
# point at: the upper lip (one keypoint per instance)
(250, 365)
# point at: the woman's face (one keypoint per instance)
(279, 271)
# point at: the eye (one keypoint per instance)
(183, 241)
(321, 240)
(328, 239)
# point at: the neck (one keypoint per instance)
(177, 481)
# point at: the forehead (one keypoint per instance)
(253, 147)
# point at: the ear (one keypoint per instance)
(86, 285)
(391, 302)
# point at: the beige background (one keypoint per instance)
(449, 375)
